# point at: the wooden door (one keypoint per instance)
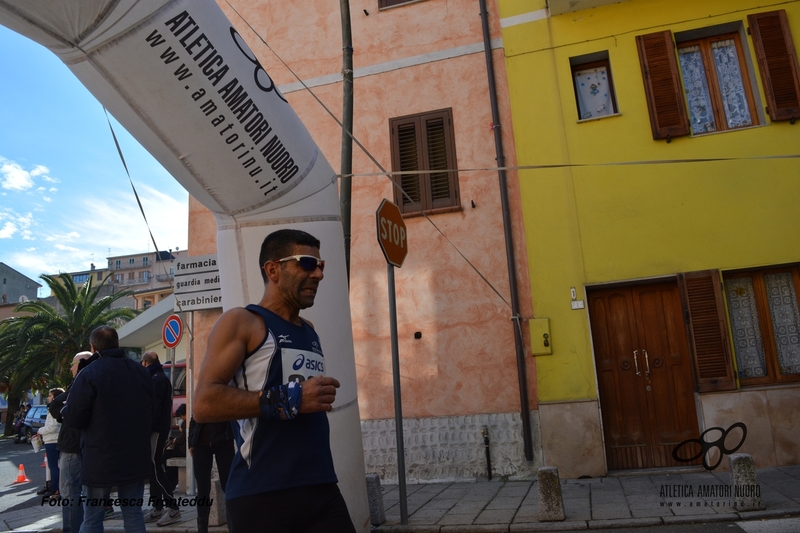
(644, 374)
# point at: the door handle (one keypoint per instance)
(636, 362)
(647, 361)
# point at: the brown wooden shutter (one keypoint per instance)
(406, 153)
(441, 183)
(777, 62)
(662, 85)
(704, 311)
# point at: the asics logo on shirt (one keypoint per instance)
(298, 363)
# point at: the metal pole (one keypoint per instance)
(398, 403)
(346, 186)
(522, 373)
(189, 405)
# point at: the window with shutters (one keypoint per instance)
(765, 323)
(705, 85)
(423, 145)
(594, 87)
(716, 84)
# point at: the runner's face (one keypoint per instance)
(299, 286)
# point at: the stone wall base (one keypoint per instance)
(451, 448)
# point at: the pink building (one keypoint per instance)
(422, 102)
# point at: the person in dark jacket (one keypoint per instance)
(160, 491)
(69, 460)
(206, 442)
(111, 402)
(176, 447)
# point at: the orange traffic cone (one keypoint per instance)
(21, 478)
(44, 463)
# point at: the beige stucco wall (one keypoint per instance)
(770, 414)
(572, 438)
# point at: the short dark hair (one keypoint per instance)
(280, 244)
(104, 338)
(56, 391)
(181, 410)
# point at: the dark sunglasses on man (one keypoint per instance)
(309, 263)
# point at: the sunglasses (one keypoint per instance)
(309, 263)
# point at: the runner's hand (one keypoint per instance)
(318, 394)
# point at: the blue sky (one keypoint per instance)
(65, 199)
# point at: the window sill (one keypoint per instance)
(745, 128)
(400, 5)
(759, 387)
(437, 211)
(584, 120)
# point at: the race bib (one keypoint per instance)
(299, 365)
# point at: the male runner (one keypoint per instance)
(264, 367)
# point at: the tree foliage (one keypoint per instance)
(36, 348)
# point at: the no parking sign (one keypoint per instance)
(172, 331)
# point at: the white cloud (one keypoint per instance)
(41, 170)
(69, 236)
(8, 230)
(168, 218)
(47, 199)
(13, 177)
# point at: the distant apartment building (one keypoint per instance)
(16, 288)
(149, 275)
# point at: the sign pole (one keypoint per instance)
(190, 490)
(398, 404)
(393, 240)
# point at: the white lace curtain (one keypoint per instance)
(729, 79)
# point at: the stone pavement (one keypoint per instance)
(512, 506)
(607, 502)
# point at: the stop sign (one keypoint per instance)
(392, 233)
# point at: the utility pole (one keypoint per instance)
(346, 186)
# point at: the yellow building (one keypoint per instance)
(660, 183)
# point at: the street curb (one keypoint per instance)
(624, 522)
(769, 513)
(532, 527)
(703, 518)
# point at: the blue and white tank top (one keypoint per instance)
(280, 454)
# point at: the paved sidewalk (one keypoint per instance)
(512, 506)
(607, 502)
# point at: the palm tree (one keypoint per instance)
(37, 348)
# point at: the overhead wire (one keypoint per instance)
(144, 216)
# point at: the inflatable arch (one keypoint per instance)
(183, 82)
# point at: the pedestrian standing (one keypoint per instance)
(69, 460)
(49, 435)
(111, 402)
(160, 492)
(208, 442)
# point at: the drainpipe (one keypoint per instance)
(346, 186)
(512, 278)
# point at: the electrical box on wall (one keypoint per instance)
(541, 341)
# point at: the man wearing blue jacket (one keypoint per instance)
(111, 401)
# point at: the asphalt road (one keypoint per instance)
(13, 495)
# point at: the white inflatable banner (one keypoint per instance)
(182, 81)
